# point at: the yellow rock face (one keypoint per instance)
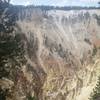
(63, 51)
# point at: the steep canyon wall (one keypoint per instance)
(62, 52)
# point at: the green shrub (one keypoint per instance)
(94, 51)
(31, 97)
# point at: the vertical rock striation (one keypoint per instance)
(62, 51)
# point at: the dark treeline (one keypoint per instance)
(58, 8)
(65, 7)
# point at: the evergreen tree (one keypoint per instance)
(96, 92)
(11, 46)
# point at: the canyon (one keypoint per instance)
(62, 49)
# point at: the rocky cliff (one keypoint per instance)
(62, 51)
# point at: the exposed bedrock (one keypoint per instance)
(62, 51)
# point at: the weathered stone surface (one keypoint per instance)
(62, 52)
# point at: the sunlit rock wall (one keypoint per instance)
(63, 52)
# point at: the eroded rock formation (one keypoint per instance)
(62, 52)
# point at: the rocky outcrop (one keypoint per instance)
(62, 52)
